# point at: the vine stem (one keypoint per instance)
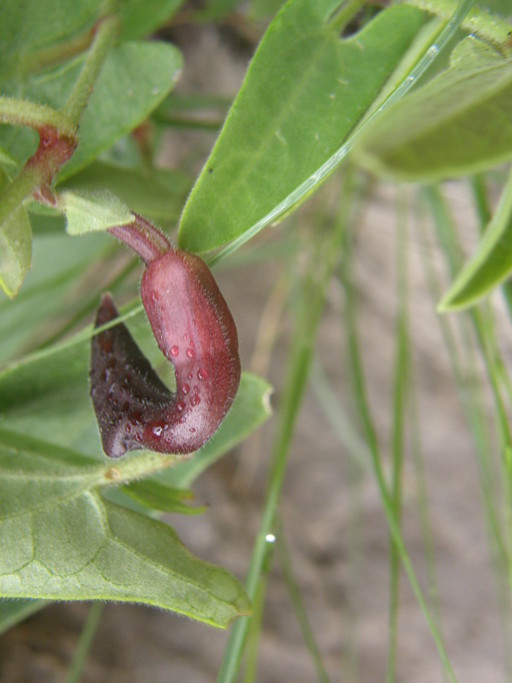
(27, 113)
(77, 101)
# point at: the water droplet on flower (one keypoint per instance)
(195, 400)
(157, 430)
(175, 350)
(190, 375)
(202, 374)
(180, 407)
(192, 430)
(185, 389)
(190, 352)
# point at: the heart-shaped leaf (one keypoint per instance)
(61, 539)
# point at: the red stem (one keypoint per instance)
(146, 240)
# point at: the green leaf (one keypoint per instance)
(140, 18)
(303, 94)
(158, 495)
(93, 211)
(459, 123)
(155, 193)
(50, 290)
(30, 25)
(15, 247)
(135, 79)
(62, 540)
(492, 262)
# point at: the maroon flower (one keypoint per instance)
(196, 333)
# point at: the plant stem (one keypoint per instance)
(401, 387)
(489, 26)
(142, 236)
(38, 172)
(93, 64)
(27, 113)
(346, 14)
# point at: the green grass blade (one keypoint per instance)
(385, 494)
(300, 358)
(400, 398)
(491, 263)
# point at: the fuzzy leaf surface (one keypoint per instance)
(62, 540)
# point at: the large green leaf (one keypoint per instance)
(458, 123)
(304, 92)
(61, 539)
(491, 263)
(30, 25)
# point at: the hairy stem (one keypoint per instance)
(146, 240)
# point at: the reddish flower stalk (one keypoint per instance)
(53, 151)
(194, 330)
